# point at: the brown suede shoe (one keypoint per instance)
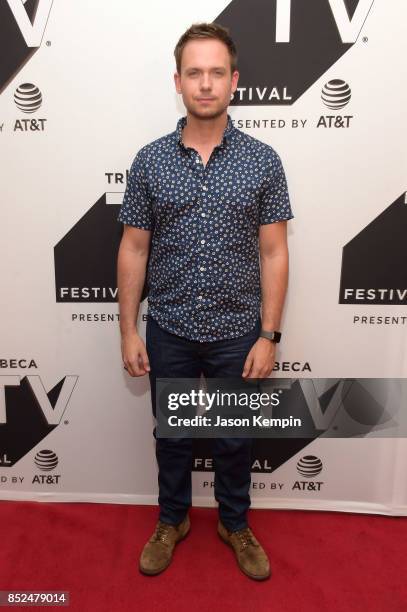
(251, 556)
(157, 553)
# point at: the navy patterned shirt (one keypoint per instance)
(203, 272)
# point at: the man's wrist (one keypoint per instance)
(132, 331)
(272, 335)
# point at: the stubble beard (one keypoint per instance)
(205, 115)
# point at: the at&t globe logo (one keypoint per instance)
(46, 460)
(309, 466)
(336, 94)
(28, 98)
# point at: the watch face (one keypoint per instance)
(274, 335)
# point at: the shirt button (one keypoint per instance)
(202, 241)
(203, 215)
(198, 161)
(202, 269)
(199, 297)
(205, 188)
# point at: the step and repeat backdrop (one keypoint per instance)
(84, 85)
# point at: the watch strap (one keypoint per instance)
(274, 336)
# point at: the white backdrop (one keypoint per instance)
(105, 72)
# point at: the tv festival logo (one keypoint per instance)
(329, 407)
(86, 256)
(22, 27)
(373, 262)
(285, 46)
(28, 413)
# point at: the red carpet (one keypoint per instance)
(322, 561)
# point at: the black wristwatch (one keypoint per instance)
(274, 336)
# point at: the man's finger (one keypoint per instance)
(248, 364)
(256, 370)
(145, 361)
(133, 368)
(138, 368)
(127, 367)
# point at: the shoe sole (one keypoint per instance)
(147, 572)
(253, 576)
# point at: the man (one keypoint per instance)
(208, 199)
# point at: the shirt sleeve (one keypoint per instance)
(275, 201)
(136, 208)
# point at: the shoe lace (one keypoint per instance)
(245, 537)
(161, 532)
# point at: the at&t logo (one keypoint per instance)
(308, 467)
(46, 460)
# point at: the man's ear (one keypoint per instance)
(235, 79)
(177, 82)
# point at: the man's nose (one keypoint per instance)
(206, 81)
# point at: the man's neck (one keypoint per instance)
(204, 132)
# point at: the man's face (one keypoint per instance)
(206, 82)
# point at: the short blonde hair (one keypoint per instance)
(199, 31)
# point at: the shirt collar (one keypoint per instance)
(227, 133)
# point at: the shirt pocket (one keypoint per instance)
(171, 195)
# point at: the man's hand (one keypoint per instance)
(260, 359)
(134, 355)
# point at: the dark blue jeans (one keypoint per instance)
(173, 356)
